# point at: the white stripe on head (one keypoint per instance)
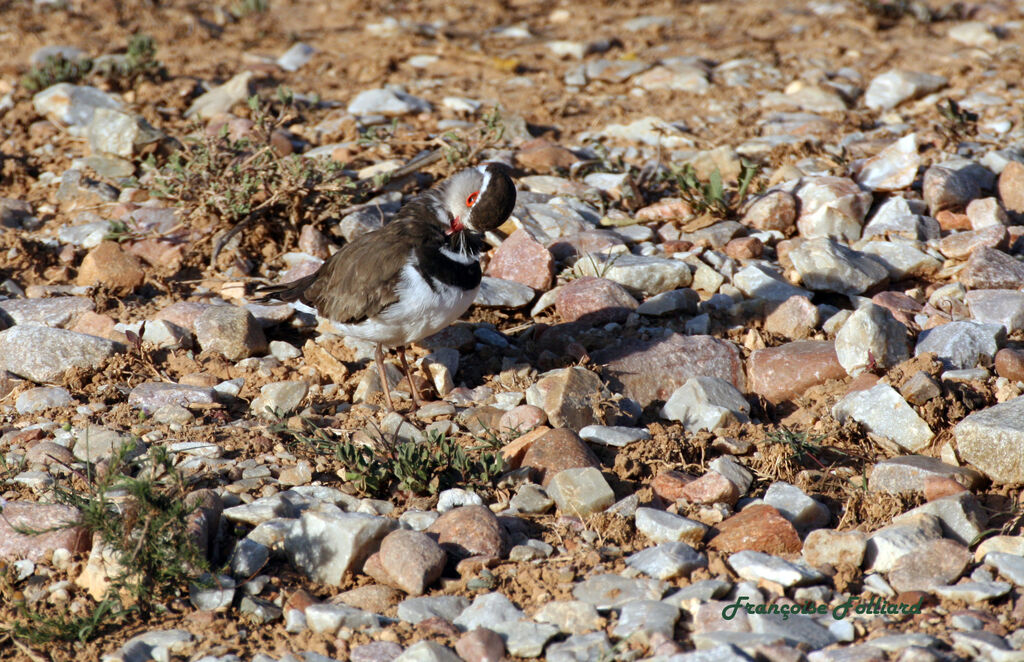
(461, 257)
(482, 169)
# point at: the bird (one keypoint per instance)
(416, 275)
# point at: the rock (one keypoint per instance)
(991, 269)
(756, 566)
(427, 651)
(164, 334)
(296, 56)
(116, 133)
(95, 444)
(220, 99)
(760, 282)
(960, 245)
(326, 546)
(871, 339)
(522, 418)
(661, 526)
(894, 168)
(1011, 187)
(886, 545)
(892, 88)
(613, 435)
(946, 188)
(667, 560)
(480, 645)
(775, 210)
(230, 331)
(56, 311)
(759, 528)
(1010, 566)
(960, 516)
(48, 452)
(652, 370)
(706, 403)
(469, 531)
(571, 616)
(831, 207)
(610, 591)
(530, 498)
(1009, 363)
(212, 593)
(570, 398)
(581, 492)
(974, 33)
(387, 101)
(524, 260)
(73, 105)
(802, 511)
(645, 275)
(594, 301)
(20, 352)
(498, 293)
(794, 318)
(649, 131)
(43, 398)
(1004, 307)
(963, 344)
(910, 473)
(647, 617)
(542, 156)
(488, 610)
(885, 414)
(934, 563)
(974, 591)
(150, 396)
(57, 525)
(278, 399)
(156, 645)
(408, 560)
(686, 74)
(986, 212)
(580, 647)
(990, 440)
(827, 547)
(903, 259)
(446, 607)
(826, 265)
(556, 451)
(673, 302)
(787, 371)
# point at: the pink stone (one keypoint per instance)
(670, 485)
(744, 248)
(1011, 186)
(712, 487)
(759, 528)
(960, 245)
(469, 531)
(594, 300)
(314, 242)
(649, 370)
(183, 313)
(795, 318)
(774, 211)
(784, 372)
(902, 307)
(55, 522)
(523, 259)
(522, 418)
(991, 269)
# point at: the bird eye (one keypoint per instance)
(471, 200)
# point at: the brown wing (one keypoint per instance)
(360, 280)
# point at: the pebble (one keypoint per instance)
(645, 275)
(892, 88)
(759, 528)
(212, 593)
(609, 591)
(556, 451)
(962, 344)
(988, 440)
(802, 511)
(469, 531)
(427, 651)
(56, 311)
(50, 519)
(580, 647)
(95, 443)
(992, 269)
(151, 396)
(499, 293)
(43, 398)
(674, 302)
(278, 399)
(1009, 363)
(446, 607)
(832, 207)
(391, 101)
(220, 99)
(706, 403)
(230, 331)
(295, 57)
(667, 560)
(787, 371)
(828, 547)
(375, 651)
(522, 259)
(663, 527)
(826, 265)
(531, 499)
(480, 645)
(887, 545)
(934, 563)
(757, 566)
(408, 560)
(648, 617)
(570, 397)
(326, 546)
(892, 169)
(73, 105)
(974, 591)
(795, 318)
(910, 474)
(871, 339)
(581, 492)
(594, 301)
(1003, 307)
(613, 435)
(19, 352)
(884, 412)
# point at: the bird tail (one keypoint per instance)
(292, 291)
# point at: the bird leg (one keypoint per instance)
(417, 399)
(379, 355)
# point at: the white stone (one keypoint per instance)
(870, 339)
(802, 511)
(387, 101)
(894, 168)
(824, 264)
(326, 546)
(1005, 307)
(646, 275)
(706, 403)
(903, 259)
(220, 99)
(755, 566)
(890, 89)
(884, 412)
(761, 282)
(651, 131)
(889, 544)
(831, 207)
(991, 441)
(661, 526)
(962, 344)
(581, 491)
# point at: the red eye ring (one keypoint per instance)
(471, 200)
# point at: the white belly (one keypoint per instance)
(419, 312)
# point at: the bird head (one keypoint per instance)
(479, 199)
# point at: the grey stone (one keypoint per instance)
(974, 591)
(991, 440)
(279, 398)
(796, 630)
(667, 560)
(150, 396)
(489, 611)
(531, 499)
(826, 265)
(756, 566)
(259, 610)
(908, 474)
(329, 618)
(894, 168)
(1005, 307)
(448, 607)
(296, 56)
(499, 293)
(990, 268)
(95, 443)
(890, 89)
(212, 593)
(220, 99)
(580, 648)
(614, 591)
(231, 331)
(803, 512)
(43, 354)
(248, 557)
(326, 546)
(117, 133)
(581, 491)
(387, 101)
(920, 388)
(283, 351)
(903, 259)
(718, 653)
(647, 616)
(888, 544)
(960, 515)
(706, 403)
(831, 207)
(760, 282)
(570, 616)
(39, 399)
(53, 311)
(523, 638)
(733, 471)
(884, 412)
(674, 302)
(428, 651)
(645, 275)
(73, 105)
(613, 435)
(962, 344)
(661, 526)
(156, 645)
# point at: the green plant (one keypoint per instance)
(247, 7)
(56, 69)
(461, 150)
(36, 628)
(802, 444)
(957, 124)
(139, 61)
